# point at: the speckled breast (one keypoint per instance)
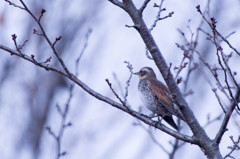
(148, 99)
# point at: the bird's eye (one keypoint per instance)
(143, 72)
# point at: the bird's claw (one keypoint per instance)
(157, 123)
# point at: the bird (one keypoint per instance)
(156, 96)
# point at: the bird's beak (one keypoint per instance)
(137, 73)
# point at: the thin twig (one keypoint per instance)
(222, 37)
(105, 99)
(235, 147)
(115, 93)
(213, 72)
(129, 66)
(64, 124)
(226, 79)
(158, 17)
(152, 137)
(32, 60)
(218, 51)
(15, 5)
(225, 121)
(219, 100)
(212, 120)
(118, 84)
(52, 45)
(120, 106)
(89, 32)
(40, 17)
(229, 70)
(176, 147)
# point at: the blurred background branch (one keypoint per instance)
(206, 70)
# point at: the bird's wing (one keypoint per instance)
(163, 94)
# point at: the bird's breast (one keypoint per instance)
(150, 100)
(146, 95)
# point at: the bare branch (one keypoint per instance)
(219, 51)
(46, 37)
(129, 66)
(210, 121)
(117, 3)
(222, 37)
(226, 79)
(118, 84)
(51, 132)
(64, 124)
(144, 5)
(158, 17)
(200, 137)
(219, 100)
(124, 100)
(132, 26)
(199, 133)
(235, 146)
(176, 146)
(167, 16)
(213, 71)
(225, 121)
(32, 60)
(48, 60)
(115, 93)
(89, 32)
(228, 43)
(152, 137)
(40, 17)
(225, 60)
(107, 100)
(57, 39)
(164, 69)
(181, 66)
(36, 32)
(13, 4)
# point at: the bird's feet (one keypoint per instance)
(157, 123)
(160, 118)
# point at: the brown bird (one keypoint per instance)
(156, 96)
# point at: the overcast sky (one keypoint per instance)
(100, 131)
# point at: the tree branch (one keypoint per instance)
(158, 17)
(13, 4)
(199, 133)
(32, 60)
(117, 3)
(225, 121)
(223, 38)
(162, 66)
(105, 99)
(144, 5)
(52, 45)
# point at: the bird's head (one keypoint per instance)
(146, 72)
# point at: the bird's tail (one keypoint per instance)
(178, 113)
(170, 121)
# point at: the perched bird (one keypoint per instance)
(156, 96)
